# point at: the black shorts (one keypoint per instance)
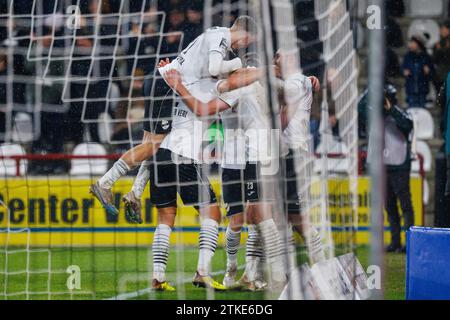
(293, 197)
(240, 186)
(159, 106)
(168, 178)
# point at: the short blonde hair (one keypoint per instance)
(245, 23)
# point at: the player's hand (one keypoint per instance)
(387, 105)
(277, 71)
(332, 120)
(163, 63)
(315, 83)
(173, 78)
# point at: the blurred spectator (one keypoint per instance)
(121, 136)
(80, 67)
(176, 22)
(129, 131)
(148, 46)
(397, 160)
(395, 8)
(167, 5)
(52, 114)
(394, 34)
(96, 70)
(441, 56)
(442, 181)
(418, 70)
(3, 72)
(194, 25)
(392, 69)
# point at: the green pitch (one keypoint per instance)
(124, 273)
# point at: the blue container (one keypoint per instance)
(428, 264)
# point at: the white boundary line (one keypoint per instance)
(135, 294)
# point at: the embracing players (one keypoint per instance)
(241, 179)
(203, 58)
(175, 167)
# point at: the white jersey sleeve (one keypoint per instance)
(298, 94)
(217, 41)
(193, 61)
(231, 98)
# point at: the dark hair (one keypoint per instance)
(245, 23)
(420, 42)
(390, 93)
(446, 24)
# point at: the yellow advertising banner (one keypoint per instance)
(61, 212)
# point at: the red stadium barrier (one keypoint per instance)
(362, 155)
(55, 156)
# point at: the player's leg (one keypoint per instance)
(273, 248)
(403, 192)
(157, 124)
(266, 226)
(233, 240)
(161, 246)
(159, 116)
(296, 217)
(310, 235)
(102, 188)
(253, 276)
(195, 190)
(233, 198)
(163, 194)
(393, 216)
(208, 239)
(132, 200)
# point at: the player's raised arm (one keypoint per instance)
(241, 78)
(200, 108)
(218, 66)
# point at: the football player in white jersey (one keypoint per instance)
(176, 169)
(295, 100)
(240, 179)
(202, 58)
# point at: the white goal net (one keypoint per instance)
(72, 87)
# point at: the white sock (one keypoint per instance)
(209, 234)
(233, 240)
(160, 247)
(253, 253)
(273, 249)
(119, 169)
(141, 179)
(314, 245)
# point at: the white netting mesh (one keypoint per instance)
(91, 59)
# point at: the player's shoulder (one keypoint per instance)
(299, 80)
(298, 77)
(216, 32)
(217, 29)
